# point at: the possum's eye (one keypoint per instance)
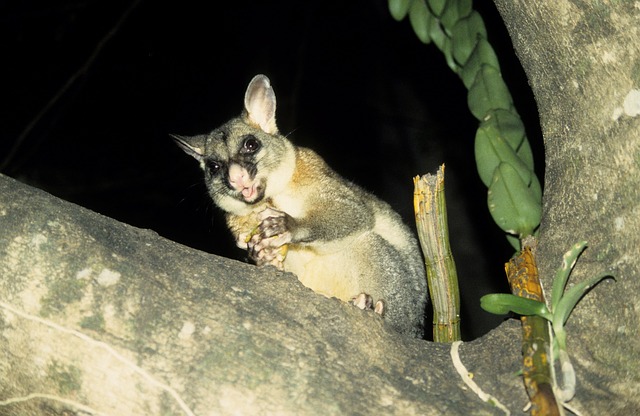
(212, 167)
(250, 145)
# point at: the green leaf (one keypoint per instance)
(483, 53)
(572, 296)
(465, 36)
(514, 241)
(455, 10)
(421, 20)
(437, 6)
(562, 273)
(503, 303)
(524, 152)
(492, 148)
(448, 55)
(488, 92)
(510, 126)
(437, 35)
(535, 188)
(512, 204)
(399, 8)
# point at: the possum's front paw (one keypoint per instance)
(274, 223)
(269, 255)
(268, 244)
(273, 230)
(365, 302)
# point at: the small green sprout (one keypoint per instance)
(562, 303)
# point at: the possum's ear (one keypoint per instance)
(260, 104)
(193, 146)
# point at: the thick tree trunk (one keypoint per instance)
(101, 317)
(582, 60)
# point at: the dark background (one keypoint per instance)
(351, 83)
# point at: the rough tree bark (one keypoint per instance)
(97, 317)
(103, 318)
(582, 60)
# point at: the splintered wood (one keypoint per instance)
(431, 220)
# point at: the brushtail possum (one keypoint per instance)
(287, 208)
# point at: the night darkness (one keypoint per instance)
(352, 83)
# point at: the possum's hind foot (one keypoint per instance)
(365, 302)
